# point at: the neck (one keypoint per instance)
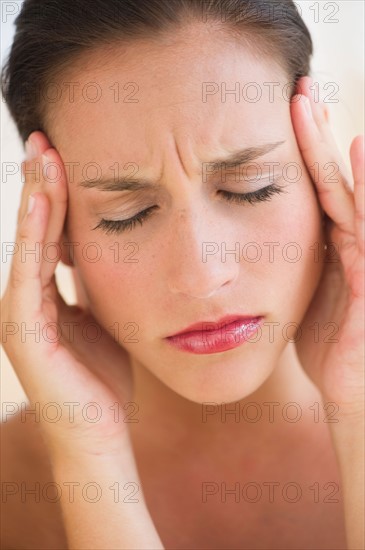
(164, 417)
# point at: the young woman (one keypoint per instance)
(207, 389)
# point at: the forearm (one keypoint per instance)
(349, 444)
(107, 509)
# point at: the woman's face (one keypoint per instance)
(175, 269)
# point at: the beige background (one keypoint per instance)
(339, 58)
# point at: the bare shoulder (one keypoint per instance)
(29, 494)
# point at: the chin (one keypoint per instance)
(226, 381)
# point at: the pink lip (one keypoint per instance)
(212, 337)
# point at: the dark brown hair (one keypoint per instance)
(52, 34)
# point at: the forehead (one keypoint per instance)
(206, 90)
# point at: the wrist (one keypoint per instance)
(88, 452)
(99, 490)
(349, 442)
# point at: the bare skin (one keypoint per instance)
(175, 467)
(176, 453)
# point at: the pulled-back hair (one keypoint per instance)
(52, 34)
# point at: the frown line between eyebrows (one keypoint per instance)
(238, 158)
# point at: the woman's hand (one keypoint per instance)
(331, 346)
(336, 363)
(85, 386)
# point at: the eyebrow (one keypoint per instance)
(237, 158)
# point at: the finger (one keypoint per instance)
(321, 117)
(47, 176)
(320, 112)
(54, 185)
(325, 112)
(24, 277)
(336, 197)
(54, 305)
(305, 87)
(358, 169)
(36, 144)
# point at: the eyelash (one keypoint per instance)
(118, 226)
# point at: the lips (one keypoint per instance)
(211, 326)
(215, 337)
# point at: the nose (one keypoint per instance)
(199, 258)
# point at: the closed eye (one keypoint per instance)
(261, 195)
(118, 226)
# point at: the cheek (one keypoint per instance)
(108, 267)
(118, 286)
(115, 279)
(297, 261)
(285, 234)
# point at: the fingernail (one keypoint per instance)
(307, 106)
(31, 149)
(31, 201)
